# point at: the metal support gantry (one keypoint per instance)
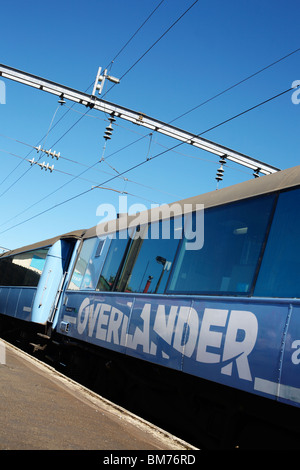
(135, 117)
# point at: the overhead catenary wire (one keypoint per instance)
(143, 136)
(154, 44)
(243, 80)
(137, 31)
(84, 179)
(141, 57)
(44, 138)
(121, 50)
(160, 38)
(74, 177)
(93, 167)
(29, 168)
(147, 160)
(4, 192)
(178, 117)
(236, 84)
(273, 63)
(132, 36)
(88, 167)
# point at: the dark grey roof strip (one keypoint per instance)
(281, 180)
(263, 185)
(77, 234)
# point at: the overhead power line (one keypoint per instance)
(136, 32)
(154, 44)
(134, 167)
(28, 169)
(236, 84)
(136, 118)
(52, 127)
(162, 36)
(79, 176)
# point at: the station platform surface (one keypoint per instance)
(40, 409)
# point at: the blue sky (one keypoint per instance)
(215, 45)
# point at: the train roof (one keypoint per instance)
(77, 234)
(280, 180)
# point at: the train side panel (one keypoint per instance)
(289, 388)
(17, 302)
(36, 282)
(234, 342)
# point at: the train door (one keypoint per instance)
(52, 280)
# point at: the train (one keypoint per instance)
(191, 308)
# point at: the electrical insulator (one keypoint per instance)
(46, 166)
(107, 135)
(48, 152)
(61, 101)
(219, 176)
(43, 165)
(220, 171)
(52, 154)
(108, 132)
(109, 128)
(111, 118)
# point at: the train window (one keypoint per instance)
(82, 264)
(147, 266)
(280, 268)
(89, 264)
(24, 269)
(113, 261)
(227, 262)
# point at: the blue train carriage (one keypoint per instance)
(31, 281)
(217, 297)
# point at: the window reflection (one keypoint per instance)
(233, 238)
(81, 266)
(279, 273)
(23, 269)
(111, 266)
(148, 263)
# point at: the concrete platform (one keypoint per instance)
(40, 409)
